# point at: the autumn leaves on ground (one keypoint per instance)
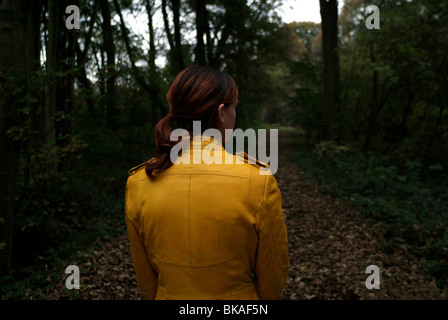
(330, 246)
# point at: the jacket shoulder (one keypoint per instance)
(251, 160)
(138, 168)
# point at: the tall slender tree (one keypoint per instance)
(110, 53)
(13, 65)
(53, 67)
(141, 81)
(176, 52)
(201, 29)
(177, 34)
(153, 76)
(81, 57)
(169, 35)
(331, 87)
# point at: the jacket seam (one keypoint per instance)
(217, 244)
(263, 221)
(271, 252)
(129, 215)
(215, 173)
(188, 209)
(260, 208)
(196, 173)
(241, 253)
(190, 266)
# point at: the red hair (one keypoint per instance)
(194, 95)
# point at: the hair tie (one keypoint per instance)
(170, 115)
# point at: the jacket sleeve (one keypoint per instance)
(272, 261)
(145, 273)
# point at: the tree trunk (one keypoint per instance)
(152, 47)
(136, 72)
(331, 95)
(200, 31)
(154, 81)
(172, 52)
(373, 112)
(177, 39)
(83, 80)
(13, 65)
(33, 60)
(67, 89)
(217, 60)
(110, 53)
(52, 68)
(208, 37)
(81, 58)
(176, 56)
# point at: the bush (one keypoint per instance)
(414, 211)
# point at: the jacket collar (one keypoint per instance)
(197, 144)
(200, 141)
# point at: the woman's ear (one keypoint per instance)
(221, 113)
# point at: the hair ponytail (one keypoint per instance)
(195, 94)
(164, 145)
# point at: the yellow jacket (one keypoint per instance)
(207, 231)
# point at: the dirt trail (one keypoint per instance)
(330, 248)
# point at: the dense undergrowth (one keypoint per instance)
(61, 222)
(414, 213)
(87, 207)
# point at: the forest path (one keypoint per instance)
(331, 245)
(330, 248)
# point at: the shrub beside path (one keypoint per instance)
(330, 246)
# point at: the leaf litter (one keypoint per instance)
(330, 247)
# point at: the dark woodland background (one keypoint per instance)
(78, 109)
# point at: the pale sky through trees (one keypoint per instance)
(302, 10)
(291, 10)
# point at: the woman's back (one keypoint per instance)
(207, 231)
(200, 229)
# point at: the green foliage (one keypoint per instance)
(393, 83)
(392, 79)
(305, 99)
(412, 211)
(329, 149)
(307, 32)
(87, 204)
